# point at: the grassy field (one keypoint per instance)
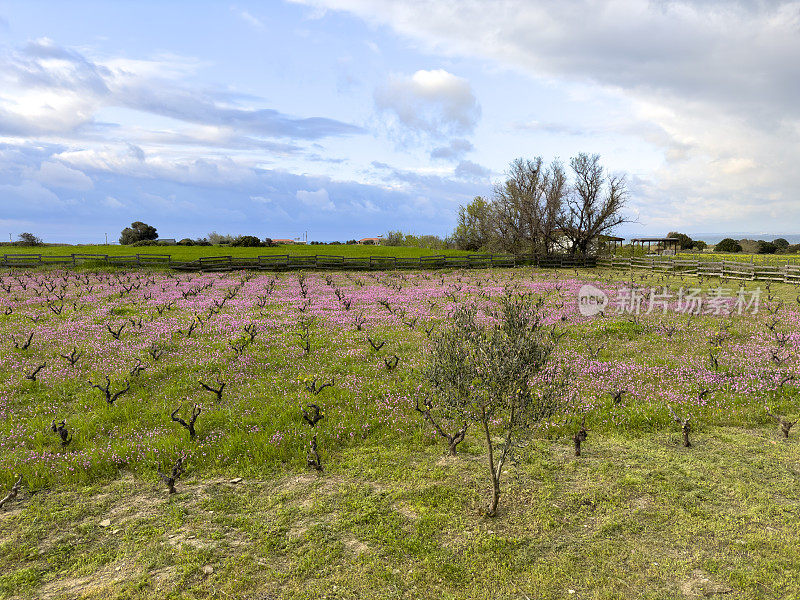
(195, 252)
(637, 516)
(758, 259)
(186, 253)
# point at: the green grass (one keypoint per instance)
(638, 516)
(195, 252)
(758, 259)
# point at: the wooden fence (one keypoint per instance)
(285, 262)
(723, 269)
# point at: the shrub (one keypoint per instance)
(28, 239)
(137, 232)
(781, 243)
(393, 238)
(433, 242)
(217, 239)
(766, 247)
(684, 241)
(186, 242)
(144, 243)
(728, 245)
(246, 241)
(748, 246)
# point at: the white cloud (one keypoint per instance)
(112, 202)
(454, 150)
(434, 102)
(263, 202)
(49, 89)
(318, 199)
(712, 84)
(55, 174)
(132, 161)
(28, 195)
(249, 18)
(469, 170)
(421, 206)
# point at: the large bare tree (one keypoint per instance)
(594, 205)
(536, 209)
(554, 194)
(527, 206)
(514, 204)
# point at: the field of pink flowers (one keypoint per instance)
(163, 339)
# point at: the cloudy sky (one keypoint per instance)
(346, 118)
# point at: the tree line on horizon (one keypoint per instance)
(536, 209)
(141, 234)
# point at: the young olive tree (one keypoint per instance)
(486, 376)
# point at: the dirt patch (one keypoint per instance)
(104, 580)
(643, 503)
(12, 508)
(408, 512)
(447, 460)
(299, 528)
(700, 585)
(304, 523)
(161, 577)
(180, 539)
(354, 545)
(135, 502)
(303, 486)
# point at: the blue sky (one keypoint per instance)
(346, 118)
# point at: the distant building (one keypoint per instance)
(168, 241)
(601, 244)
(372, 241)
(274, 241)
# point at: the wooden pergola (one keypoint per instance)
(663, 245)
(607, 244)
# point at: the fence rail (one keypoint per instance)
(279, 262)
(723, 269)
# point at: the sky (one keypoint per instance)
(348, 118)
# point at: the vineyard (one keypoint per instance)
(259, 434)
